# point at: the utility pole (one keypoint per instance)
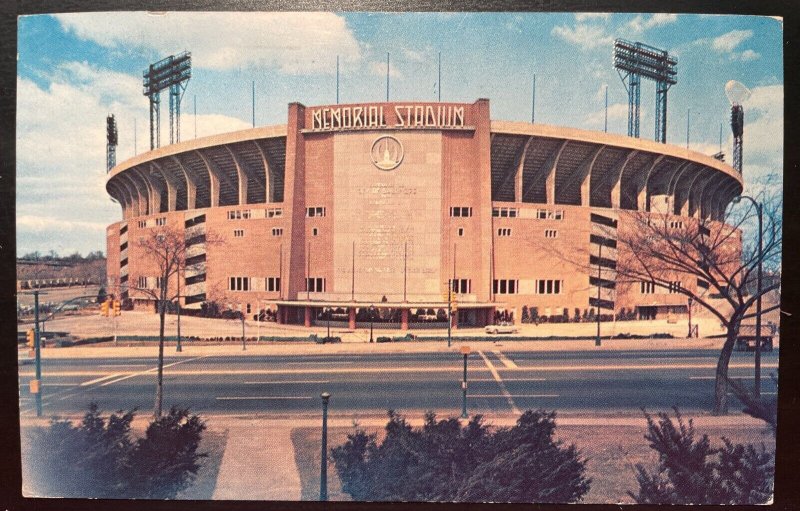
(387, 76)
(36, 385)
(254, 103)
(244, 346)
(599, 269)
(465, 350)
(323, 467)
(533, 99)
(449, 311)
(688, 117)
(178, 347)
(337, 79)
(605, 123)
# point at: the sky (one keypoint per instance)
(75, 69)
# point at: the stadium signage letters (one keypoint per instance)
(399, 116)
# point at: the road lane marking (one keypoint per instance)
(509, 379)
(121, 365)
(332, 362)
(499, 380)
(732, 377)
(505, 360)
(102, 378)
(254, 398)
(513, 395)
(632, 367)
(151, 370)
(59, 385)
(335, 370)
(278, 382)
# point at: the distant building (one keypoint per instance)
(387, 204)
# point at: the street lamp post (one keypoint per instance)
(328, 312)
(689, 310)
(37, 344)
(178, 346)
(759, 212)
(323, 467)
(371, 320)
(599, 269)
(244, 346)
(465, 350)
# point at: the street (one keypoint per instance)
(601, 383)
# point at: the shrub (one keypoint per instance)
(100, 459)
(577, 316)
(526, 317)
(445, 462)
(691, 471)
(534, 311)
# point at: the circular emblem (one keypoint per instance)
(386, 153)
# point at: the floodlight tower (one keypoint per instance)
(737, 94)
(171, 73)
(639, 60)
(111, 142)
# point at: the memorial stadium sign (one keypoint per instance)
(402, 116)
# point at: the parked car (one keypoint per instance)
(502, 328)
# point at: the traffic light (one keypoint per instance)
(31, 338)
(104, 308)
(117, 308)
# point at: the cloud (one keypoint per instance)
(412, 55)
(379, 69)
(294, 43)
(584, 36)
(763, 128)
(61, 152)
(587, 16)
(640, 24)
(728, 42)
(746, 56)
(616, 111)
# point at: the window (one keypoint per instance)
(191, 222)
(123, 246)
(314, 231)
(142, 224)
(315, 285)
(647, 288)
(141, 282)
(277, 231)
(548, 214)
(316, 211)
(161, 221)
(675, 287)
(461, 211)
(123, 229)
(273, 284)
(505, 287)
(504, 231)
(238, 233)
(676, 224)
(505, 212)
(239, 214)
(460, 231)
(550, 233)
(462, 286)
(249, 308)
(549, 287)
(274, 212)
(239, 284)
(159, 282)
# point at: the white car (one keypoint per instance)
(501, 328)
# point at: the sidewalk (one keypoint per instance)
(507, 344)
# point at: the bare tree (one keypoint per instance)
(670, 251)
(165, 248)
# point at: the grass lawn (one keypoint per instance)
(612, 453)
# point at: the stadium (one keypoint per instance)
(376, 210)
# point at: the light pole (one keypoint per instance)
(465, 350)
(759, 211)
(689, 310)
(37, 344)
(178, 346)
(323, 467)
(599, 269)
(371, 319)
(244, 346)
(328, 312)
